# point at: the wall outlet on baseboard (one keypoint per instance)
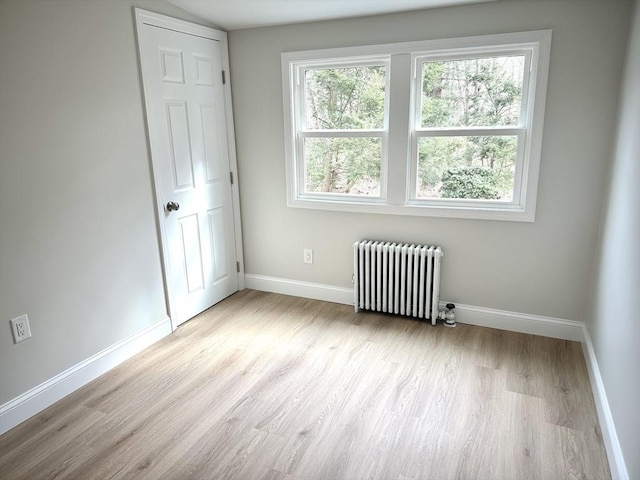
(20, 328)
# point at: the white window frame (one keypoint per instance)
(302, 132)
(401, 130)
(519, 131)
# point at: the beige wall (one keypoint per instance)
(538, 268)
(78, 245)
(614, 325)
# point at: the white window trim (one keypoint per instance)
(303, 132)
(397, 170)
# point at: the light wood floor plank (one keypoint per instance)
(265, 386)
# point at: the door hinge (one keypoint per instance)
(238, 267)
(231, 177)
(224, 78)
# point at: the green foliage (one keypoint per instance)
(343, 165)
(437, 155)
(344, 99)
(474, 92)
(469, 93)
(470, 182)
(482, 92)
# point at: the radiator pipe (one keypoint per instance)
(449, 316)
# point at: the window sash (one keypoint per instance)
(417, 131)
(518, 178)
(301, 96)
(342, 133)
(300, 167)
(468, 131)
(302, 132)
(418, 59)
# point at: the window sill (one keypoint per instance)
(502, 213)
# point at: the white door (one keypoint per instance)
(183, 83)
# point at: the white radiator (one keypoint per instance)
(397, 278)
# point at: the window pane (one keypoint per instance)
(472, 92)
(349, 166)
(345, 98)
(467, 167)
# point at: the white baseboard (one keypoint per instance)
(609, 435)
(484, 317)
(519, 322)
(317, 291)
(46, 394)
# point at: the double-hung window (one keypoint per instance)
(446, 128)
(341, 123)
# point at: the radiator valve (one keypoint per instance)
(448, 316)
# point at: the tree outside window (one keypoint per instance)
(339, 103)
(470, 93)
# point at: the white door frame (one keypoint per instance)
(145, 17)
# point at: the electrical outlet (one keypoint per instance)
(308, 255)
(20, 328)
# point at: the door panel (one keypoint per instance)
(213, 153)
(180, 145)
(219, 247)
(191, 253)
(182, 76)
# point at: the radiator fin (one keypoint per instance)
(397, 278)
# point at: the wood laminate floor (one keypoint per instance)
(265, 386)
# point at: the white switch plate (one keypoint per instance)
(20, 328)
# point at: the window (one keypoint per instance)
(444, 128)
(342, 129)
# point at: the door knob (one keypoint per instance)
(173, 206)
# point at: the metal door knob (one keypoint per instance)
(173, 206)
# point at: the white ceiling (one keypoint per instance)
(237, 14)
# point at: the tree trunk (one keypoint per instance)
(327, 183)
